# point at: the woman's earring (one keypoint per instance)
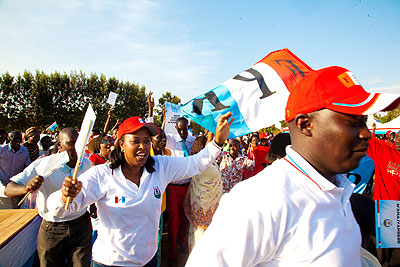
(122, 150)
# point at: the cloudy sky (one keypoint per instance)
(189, 47)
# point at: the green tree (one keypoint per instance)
(40, 100)
(390, 115)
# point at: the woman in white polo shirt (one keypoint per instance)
(128, 192)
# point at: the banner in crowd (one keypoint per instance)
(172, 113)
(387, 222)
(84, 133)
(256, 97)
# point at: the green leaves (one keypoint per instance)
(40, 99)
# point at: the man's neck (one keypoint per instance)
(330, 177)
(157, 151)
(71, 163)
(16, 149)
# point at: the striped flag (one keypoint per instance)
(53, 126)
(256, 97)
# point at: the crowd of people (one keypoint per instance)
(256, 200)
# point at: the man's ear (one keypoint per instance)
(304, 123)
(121, 144)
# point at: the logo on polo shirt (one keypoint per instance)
(119, 199)
(157, 192)
(387, 222)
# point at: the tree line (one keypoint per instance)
(40, 99)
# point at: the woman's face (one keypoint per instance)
(34, 138)
(136, 147)
(254, 141)
(105, 146)
(160, 141)
(234, 148)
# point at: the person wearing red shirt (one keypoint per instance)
(102, 148)
(260, 153)
(387, 183)
(387, 169)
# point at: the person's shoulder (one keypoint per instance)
(4, 148)
(86, 163)
(93, 156)
(24, 150)
(102, 167)
(100, 170)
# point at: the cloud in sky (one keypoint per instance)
(375, 80)
(395, 89)
(130, 40)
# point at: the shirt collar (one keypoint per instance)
(65, 168)
(302, 165)
(12, 150)
(118, 174)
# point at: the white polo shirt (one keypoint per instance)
(50, 184)
(129, 215)
(286, 215)
(174, 144)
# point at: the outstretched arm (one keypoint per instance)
(108, 120)
(150, 102)
(223, 128)
(163, 122)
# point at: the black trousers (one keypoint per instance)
(65, 243)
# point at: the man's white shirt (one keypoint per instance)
(287, 215)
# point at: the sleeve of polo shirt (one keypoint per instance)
(239, 235)
(23, 177)
(90, 193)
(178, 168)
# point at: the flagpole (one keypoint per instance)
(78, 162)
(22, 200)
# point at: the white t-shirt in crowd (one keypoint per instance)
(129, 215)
(286, 215)
(50, 184)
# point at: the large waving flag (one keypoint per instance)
(256, 97)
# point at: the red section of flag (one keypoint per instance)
(116, 200)
(289, 67)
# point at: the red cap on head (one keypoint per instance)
(133, 124)
(337, 89)
(263, 135)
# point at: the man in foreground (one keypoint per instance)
(297, 212)
(60, 240)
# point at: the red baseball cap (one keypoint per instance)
(135, 123)
(263, 135)
(337, 89)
